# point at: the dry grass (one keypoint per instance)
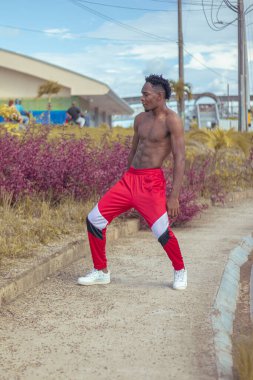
(75, 132)
(97, 134)
(31, 223)
(243, 357)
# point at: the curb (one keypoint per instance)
(251, 294)
(225, 305)
(67, 255)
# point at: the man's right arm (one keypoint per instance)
(135, 142)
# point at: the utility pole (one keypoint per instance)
(228, 101)
(246, 78)
(241, 67)
(181, 57)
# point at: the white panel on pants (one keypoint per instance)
(161, 225)
(97, 219)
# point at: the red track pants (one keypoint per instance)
(144, 190)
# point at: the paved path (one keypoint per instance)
(137, 327)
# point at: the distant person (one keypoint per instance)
(87, 119)
(193, 123)
(25, 116)
(74, 114)
(187, 123)
(13, 113)
(157, 132)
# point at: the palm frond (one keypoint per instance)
(218, 139)
(49, 88)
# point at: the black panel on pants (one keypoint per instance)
(94, 230)
(164, 238)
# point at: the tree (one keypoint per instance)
(180, 89)
(49, 88)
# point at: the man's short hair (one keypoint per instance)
(159, 81)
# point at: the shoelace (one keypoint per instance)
(179, 275)
(92, 272)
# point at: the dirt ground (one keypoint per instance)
(137, 327)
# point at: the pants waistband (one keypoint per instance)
(145, 171)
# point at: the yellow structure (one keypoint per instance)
(249, 118)
(21, 76)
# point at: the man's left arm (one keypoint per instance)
(178, 152)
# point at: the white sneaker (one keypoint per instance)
(180, 279)
(95, 277)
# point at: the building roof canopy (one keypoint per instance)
(98, 93)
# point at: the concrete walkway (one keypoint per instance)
(137, 327)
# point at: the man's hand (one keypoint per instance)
(172, 206)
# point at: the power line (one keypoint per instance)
(76, 36)
(105, 39)
(196, 3)
(203, 64)
(126, 26)
(140, 31)
(121, 24)
(122, 7)
(214, 26)
(158, 39)
(137, 9)
(231, 6)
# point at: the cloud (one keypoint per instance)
(215, 61)
(123, 65)
(61, 33)
(125, 78)
(151, 51)
(159, 66)
(219, 86)
(159, 24)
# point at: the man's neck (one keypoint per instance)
(159, 110)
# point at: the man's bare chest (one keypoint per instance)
(153, 132)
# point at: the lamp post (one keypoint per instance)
(181, 58)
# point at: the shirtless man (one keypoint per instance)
(157, 132)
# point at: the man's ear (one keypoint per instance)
(161, 95)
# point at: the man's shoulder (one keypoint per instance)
(172, 118)
(141, 115)
(172, 114)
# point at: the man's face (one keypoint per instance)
(150, 97)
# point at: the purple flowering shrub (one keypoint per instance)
(84, 170)
(59, 168)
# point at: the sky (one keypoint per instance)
(119, 42)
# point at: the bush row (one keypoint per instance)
(33, 165)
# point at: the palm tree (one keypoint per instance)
(49, 88)
(180, 89)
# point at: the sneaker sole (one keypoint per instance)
(94, 283)
(181, 288)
